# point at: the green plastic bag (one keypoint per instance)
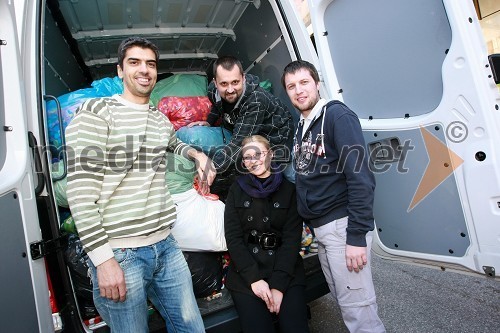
(266, 85)
(180, 173)
(60, 186)
(180, 85)
(68, 225)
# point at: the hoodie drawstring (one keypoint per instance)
(322, 135)
(301, 123)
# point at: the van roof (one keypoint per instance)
(189, 34)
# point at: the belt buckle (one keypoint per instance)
(267, 241)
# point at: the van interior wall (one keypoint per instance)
(62, 71)
(261, 48)
(257, 42)
(404, 55)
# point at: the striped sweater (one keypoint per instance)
(116, 175)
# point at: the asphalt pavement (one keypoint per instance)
(416, 299)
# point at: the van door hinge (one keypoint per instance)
(489, 271)
(42, 248)
(3, 42)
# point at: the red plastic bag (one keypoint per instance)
(209, 196)
(184, 110)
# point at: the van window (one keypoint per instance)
(383, 65)
(488, 13)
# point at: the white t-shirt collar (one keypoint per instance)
(312, 115)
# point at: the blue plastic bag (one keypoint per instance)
(69, 104)
(108, 86)
(208, 139)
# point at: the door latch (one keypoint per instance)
(42, 248)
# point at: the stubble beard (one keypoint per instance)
(231, 98)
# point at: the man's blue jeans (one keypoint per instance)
(158, 272)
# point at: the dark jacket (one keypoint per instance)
(332, 175)
(281, 268)
(256, 112)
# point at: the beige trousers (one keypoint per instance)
(354, 292)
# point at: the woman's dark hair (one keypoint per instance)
(136, 41)
(297, 65)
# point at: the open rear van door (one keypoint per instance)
(417, 74)
(24, 297)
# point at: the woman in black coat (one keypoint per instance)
(263, 233)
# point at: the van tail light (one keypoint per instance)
(53, 302)
(56, 316)
(92, 322)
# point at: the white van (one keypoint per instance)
(416, 73)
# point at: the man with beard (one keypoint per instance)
(246, 109)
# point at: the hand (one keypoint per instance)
(111, 280)
(261, 289)
(356, 257)
(208, 196)
(277, 298)
(198, 123)
(206, 170)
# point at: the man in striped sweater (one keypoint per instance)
(120, 203)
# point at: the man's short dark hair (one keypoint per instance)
(297, 65)
(227, 62)
(136, 41)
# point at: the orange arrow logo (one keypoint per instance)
(442, 163)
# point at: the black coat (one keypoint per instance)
(281, 268)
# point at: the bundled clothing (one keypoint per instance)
(256, 112)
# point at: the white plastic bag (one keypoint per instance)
(200, 223)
